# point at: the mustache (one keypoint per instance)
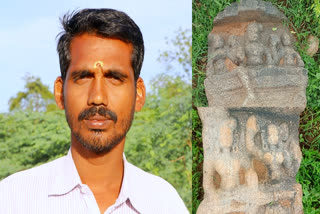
(90, 112)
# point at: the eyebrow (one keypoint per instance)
(81, 74)
(116, 74)
(109, 73)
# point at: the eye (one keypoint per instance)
(115, 80)
(82, 80)
(115, 77)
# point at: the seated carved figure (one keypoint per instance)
(292, 153)
(290, 56)
(256, 52)
(272, 151)
(235, 50)
(273, 156)
(216, 55)
(274, 45)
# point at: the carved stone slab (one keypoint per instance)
(250, 57)
(256, 89)
(251, 157)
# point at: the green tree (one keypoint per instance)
(35, 97)
(31, 138)
(179, 53)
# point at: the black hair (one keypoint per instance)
(106, 23)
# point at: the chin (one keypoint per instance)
(98, 143)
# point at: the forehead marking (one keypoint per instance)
(98, 64)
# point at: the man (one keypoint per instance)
(101, 53)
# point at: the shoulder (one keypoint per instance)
(153, 193)
(151, 182)
(27, 182)
(37, 172)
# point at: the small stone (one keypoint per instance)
(313, 42)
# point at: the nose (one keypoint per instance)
(97, 93)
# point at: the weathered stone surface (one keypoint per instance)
(257, 68)
(248, 10)
(267, 86)
(251, 158)
(255, 88)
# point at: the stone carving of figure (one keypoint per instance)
(274, 156)
(252, 129)
(278, 158)
(284, 136)
(236, 54)
(222, 160)
(227, 165)
(216, 55)
(274, 45)
(235, 50)
(291, 160)
(256, 52)
(278, 151)
(290, 56)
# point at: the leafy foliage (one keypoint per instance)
(310, 128)
(179, 53)
(36, 97)
(309, 177)
(197, 159)
(31, 138)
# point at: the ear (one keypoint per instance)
(58, 92)
(140, 94)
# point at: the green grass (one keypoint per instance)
(197, 159)
(310, 129)
(309, 177)
(303, 16)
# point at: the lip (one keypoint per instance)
(97, 122)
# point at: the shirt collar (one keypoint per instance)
(65, 178)
(123, 195)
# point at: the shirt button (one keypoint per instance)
(83, 190)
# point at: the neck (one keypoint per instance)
(101, 172)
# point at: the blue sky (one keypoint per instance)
(29, 28)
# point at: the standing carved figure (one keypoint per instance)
(252, 129)
(223, 161)
(227, 165)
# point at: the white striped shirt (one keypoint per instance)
(55, 187)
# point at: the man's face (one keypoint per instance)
(99, 92)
